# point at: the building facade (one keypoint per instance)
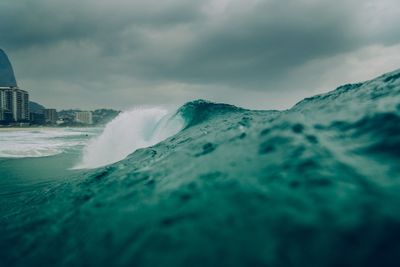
(14, 105)
(20, 105)
(84, 117)
(6, 102)
(14, 102)
(50, 115)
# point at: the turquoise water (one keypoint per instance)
(34, 157)
(316, 185)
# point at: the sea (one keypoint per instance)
(210, 184)
(40, 156)
(37, 157)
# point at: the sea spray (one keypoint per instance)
(137, 128)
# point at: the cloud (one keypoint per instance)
(243, 52)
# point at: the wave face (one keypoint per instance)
(315, 185)
(131, 130)
(196, 112)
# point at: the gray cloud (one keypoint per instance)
(120, 53)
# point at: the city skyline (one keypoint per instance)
(255, 54)
(17, 110)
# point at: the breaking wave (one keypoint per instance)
(137, 128)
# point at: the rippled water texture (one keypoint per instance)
(316, 185)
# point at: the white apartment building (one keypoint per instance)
(14, 104)
(85, 117)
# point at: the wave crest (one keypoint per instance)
(131, 130)
(198, 111)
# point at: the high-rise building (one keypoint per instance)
(14, 102)
(84, 117)
(50, 115)
(6, 102)
(20, 105)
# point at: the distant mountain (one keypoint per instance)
(67, 113)
(35, 107)
(7, 77)
(100, 116)
(103, 116)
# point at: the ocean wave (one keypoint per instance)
(198, 111)
(316, 185)
(131, 130)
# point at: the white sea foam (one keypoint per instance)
(36, 142)
(131, 130)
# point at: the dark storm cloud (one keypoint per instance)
(178, 47)
(26, 22)
(266, 41)
(261, 43)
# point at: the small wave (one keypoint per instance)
(30, 152)
(30, 143)
(131, 130)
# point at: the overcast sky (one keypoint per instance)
(252, 53)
